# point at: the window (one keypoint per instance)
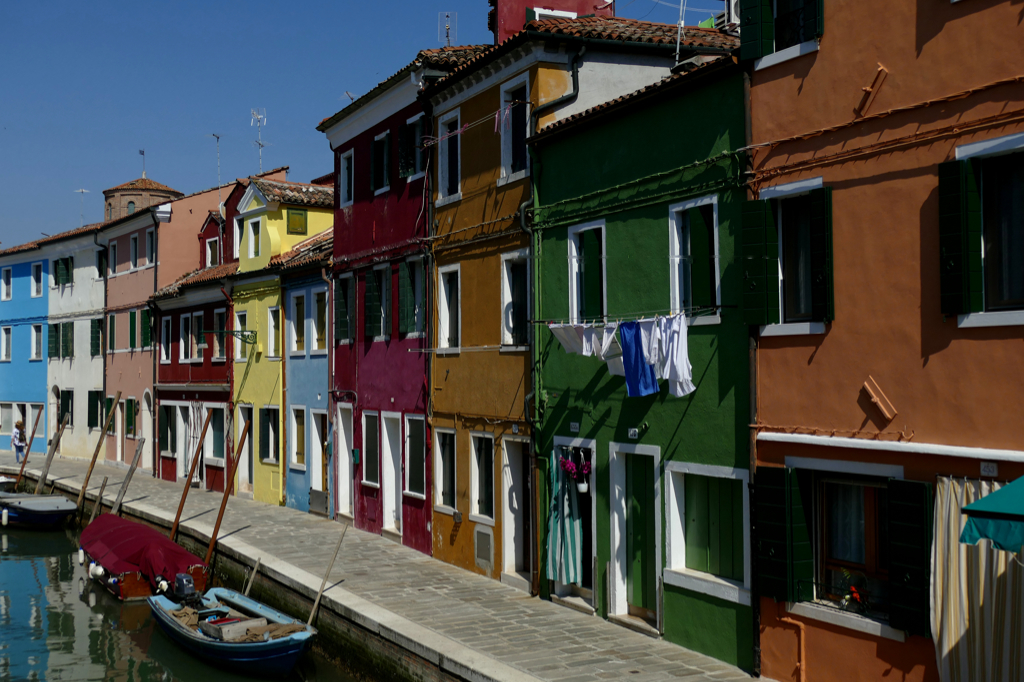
(320, 320)
(707, 515)
(5, 345)
(241, 349)
(108, 405)
(6, 418)
(380, 175)
(410, 296)
(269, 429)
(110, 211)
(132, 323)
(113, 258)
(37, 342)
(111, 332)
(6, 285)
(298, 322)
(346, 179)
(299, 437)
(165, 339)
(776, 25)
(483, 475)
(254, 238)
(586, 273)
(220, 325)
(795, 258)
(64, 271)
(415, 455)
(694, 256)
(150, 247)
(448, 161)
(131, 408)
(198, 336)
(514, 125)
(215, 436)
(237, 242)
(296, 221)
(273, 332)
(95, 337)
(445, 465)
(855, 548)
(185, 348)
(101, 264)
(37, 280)
(95, 408)
(133, 251)
(131, 207)
(344, 309)
(245, 415)
(212, 252)
(515, 318)
(377, 303)
(168, 429)
(146, 327)
(448, 312)
(411, 153)
(67, 339)
(67, 407)
(371, 448)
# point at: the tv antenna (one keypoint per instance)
(259, 120)
(447, 27)
(215, 135)
(81, 206)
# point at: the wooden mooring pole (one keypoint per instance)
(128, 479)
(191, 473)
(49, 455)
(99, 501)
(228, 485)
(28, 449)
(96, 452)
(323, 583)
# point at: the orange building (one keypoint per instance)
(884, 282)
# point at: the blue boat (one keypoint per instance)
(269, 657)
(35, 511)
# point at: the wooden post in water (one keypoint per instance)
(49, 455)
(99, 500)
(99, 444)
(28, 449)
(128, 479)
(191, 473)
(323, 583)
(252, 578)
(228, 485)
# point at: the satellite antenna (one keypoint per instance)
(447, 27)
(215, 135)
(680, 31)
(81, 206)
(259, 120)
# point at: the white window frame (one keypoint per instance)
(239, 314)
(507, 175)
(212, 246)
(506, 299)
(184, 339)
(344, 179)
(438, 485)
(442, 159)
(789, 190)
(675, 232)
(351, 313)
(418, 270)
(676, 572)
(37, 282)
(208, 441)
(574, 267)
(385, 299)
(6, 284)
(111, 259)
(362, 459)
(314, 330)
(474, 482)
(405, 473)
(998, 146)
(6, 344)
(254, 229)
(420, 170)
(220, 339)
(197, 329)
(292, 449)
(540, 13)
(133, 252)
(274, 433)
(237, 244)
(37, 342)
(272, 350)
(166, 329)
(444, 305)
(293, 324)
(150, 247)
(387, 164)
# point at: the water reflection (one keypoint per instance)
(57, 625)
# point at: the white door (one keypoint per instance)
(316, 470)
(343, 429)
(392, 484)
(245, 466)
(514, 510)
(120, 431)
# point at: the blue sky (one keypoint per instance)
(86, 85)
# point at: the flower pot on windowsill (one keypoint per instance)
(582, 487)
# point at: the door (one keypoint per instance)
(245, 467)
(318, 461)
(515, 547)
(391, 444)
(641, 559)
(120, 432)
(345, 464)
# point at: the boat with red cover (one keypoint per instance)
(133, 561)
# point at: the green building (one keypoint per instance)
(637, 216)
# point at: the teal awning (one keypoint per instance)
(998, 517)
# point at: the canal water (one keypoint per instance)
(56, 625)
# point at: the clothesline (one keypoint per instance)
(639, 315)
(430, 140)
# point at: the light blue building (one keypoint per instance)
(24, 342)
(307, 387)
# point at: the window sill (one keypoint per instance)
(297, 467)
(448, 351)
(793, 329)
(269, 462)
(318, 351)
(218, 361)
(370, 484)
(444, 509)
(703, 320)
(785, 55)
(165, 455)
(514, 177)
(378, 339)
(165, 362)
(705, 583)
(513, 349)
(415, 335)
(1002, 318)
(295, 353)
(851, 621)
(215, 462)
(415, 177)
(382, 190)
(485, 520)
(416, 496)
(450, 199)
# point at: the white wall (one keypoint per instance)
(605, 76)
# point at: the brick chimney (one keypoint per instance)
(507, 17)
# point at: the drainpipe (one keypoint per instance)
(230, 358)
(801, 660)
(329, 334)
(156, 268)
(567, 97)
(282, 459)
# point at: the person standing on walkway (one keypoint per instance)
(18, 440)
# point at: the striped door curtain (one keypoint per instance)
(977, 594)
(564, 527)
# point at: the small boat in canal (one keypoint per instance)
(7, 484)
(133, 561)
(34, 511)
(230, 630)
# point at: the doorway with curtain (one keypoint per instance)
(572, 532)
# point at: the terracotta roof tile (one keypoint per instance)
(317, 248)
(295, 193)
(196, 278)
(143, 184)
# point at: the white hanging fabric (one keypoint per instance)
(674, 356)
(567, 336)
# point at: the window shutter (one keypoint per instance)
(406, 300)
(519, 287)
(757, 32)
(94, 410)
(593, 289)
(95, 337)
(819, 16)
(71, 270)
(339, 307)
(760, 264)
(163, 429)
(785, 561)
(132, 338)
(172, 431)
(53, 341)
(67, 340)
(960, 272)
(385, 297)
(129, 408)
(147, 329)
(910, 551)
(371, 304)
(386, 171)
(407, 149)
(61, 271)
(701, 259)
(102, 263)
(112, 333)
(822, 292)
(264, 434)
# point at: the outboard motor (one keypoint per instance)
(184, 592)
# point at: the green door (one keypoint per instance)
(641, 562)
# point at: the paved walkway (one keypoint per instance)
(489, 631)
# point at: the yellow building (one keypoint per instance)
(274, 217)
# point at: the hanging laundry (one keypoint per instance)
(674, 353)
(610, 351)
(567, 336)
(640, 378)
(590, 341)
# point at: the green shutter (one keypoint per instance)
(757, 29)
(386, 296)
(910, 553)
(342, 303)
(406, 299)
(53, 340)
(164, 423)
(147, 329)
(701, 259)
(819, 17)
(822, 291)
(132, 316)
(129, 418)
(71, 270)
(108, 405)
(960, 271)
(785, 561)
(67, 340)
(62, 271)
(593, 280)
(94, 410)
(760, 263)
(112, 333)
(371, 305)
(95, 337)
(350, 297)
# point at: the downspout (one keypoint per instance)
(154, 445)
(230, 353)
(801, 661)
(329, 334)
(282, 453)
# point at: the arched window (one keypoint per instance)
(131, 207)
(110, 211)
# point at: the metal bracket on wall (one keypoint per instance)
(245, 336)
